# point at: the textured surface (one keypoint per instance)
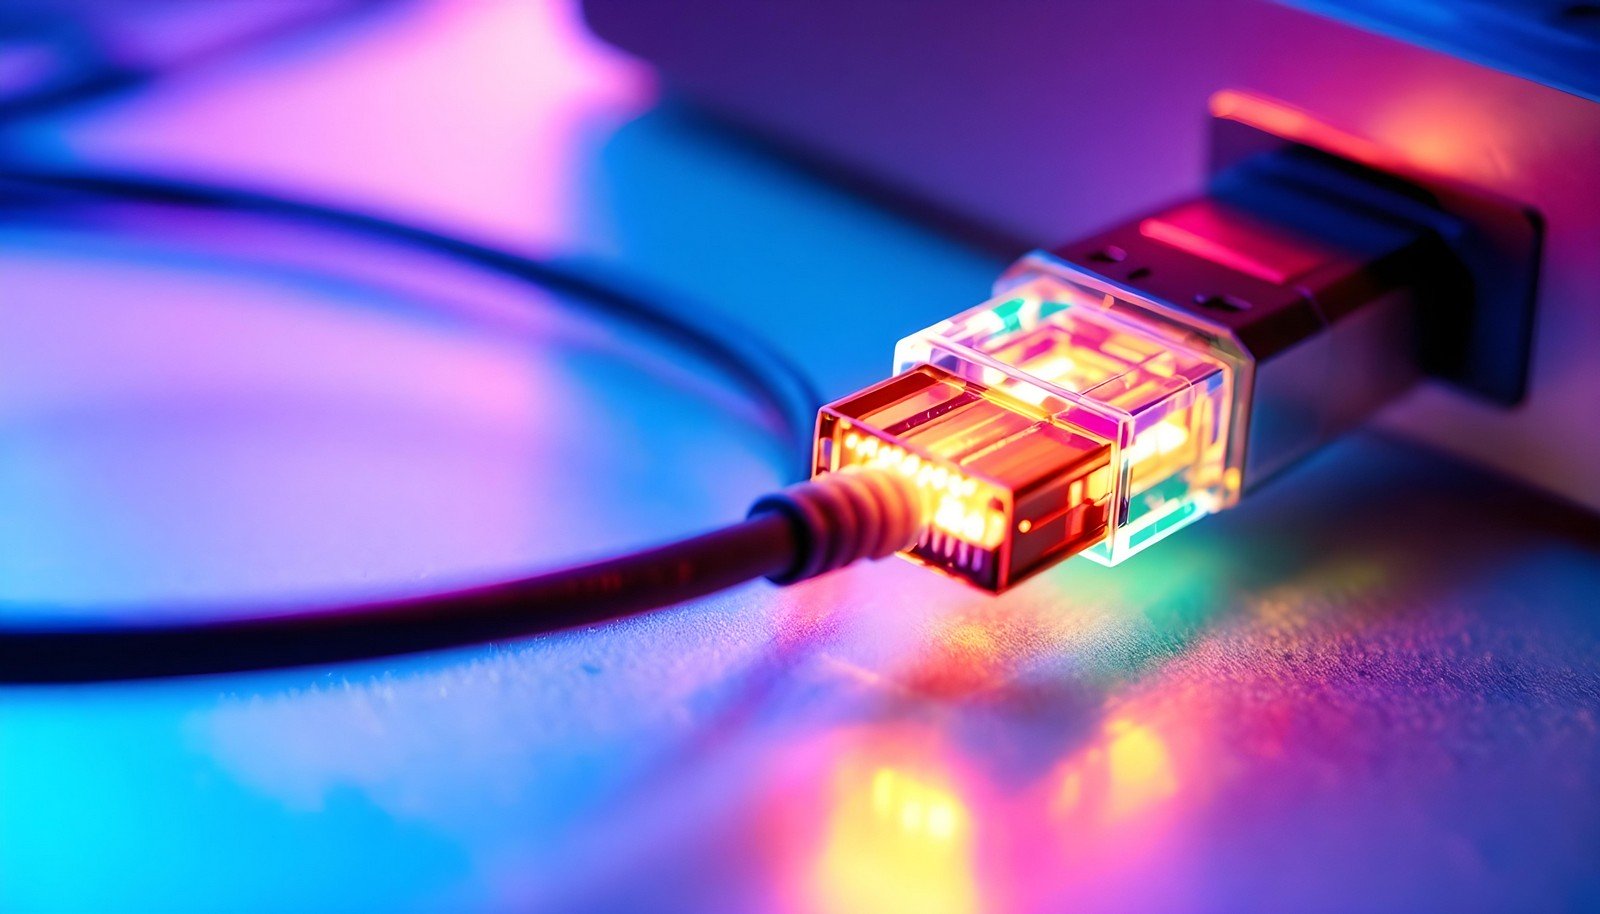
(1375, 686)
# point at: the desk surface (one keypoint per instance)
(1376, 685)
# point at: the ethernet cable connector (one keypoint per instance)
(1119, 389)
(1043, 423)
(1007, 486)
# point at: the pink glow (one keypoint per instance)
(395, 117)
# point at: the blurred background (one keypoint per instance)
(1375, 686)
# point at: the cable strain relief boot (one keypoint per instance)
(842, 517)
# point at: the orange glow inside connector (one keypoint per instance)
(1126, 371)
(1006, 487)
(1115, 369)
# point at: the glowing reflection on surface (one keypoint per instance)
(1435, 129)
(902, 819)
(1117, 809)
(1127, 773)
(883, 823)
(896, 840)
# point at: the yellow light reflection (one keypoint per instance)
(1141, 769)
(896, 840)
(1127, 773)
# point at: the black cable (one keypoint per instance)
(582, 595)
(776, 541)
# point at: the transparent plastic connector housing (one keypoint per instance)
(1058, 417)
(1117, 368)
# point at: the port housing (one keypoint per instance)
(1479, 338)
